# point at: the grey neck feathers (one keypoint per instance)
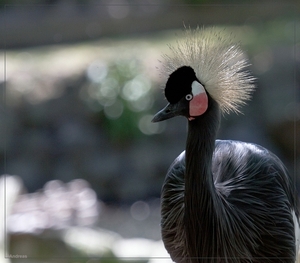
(201, 200)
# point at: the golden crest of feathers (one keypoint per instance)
(219, 65)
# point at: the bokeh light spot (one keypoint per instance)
(140, 210)
(115, 110)
(149, 128)
(97, 71)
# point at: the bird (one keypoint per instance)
(221, 200)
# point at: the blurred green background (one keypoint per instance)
(82, 163)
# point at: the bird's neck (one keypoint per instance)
(200, 194)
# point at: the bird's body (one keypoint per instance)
(222, 201)
(252, 218)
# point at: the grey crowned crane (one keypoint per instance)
(222, 200)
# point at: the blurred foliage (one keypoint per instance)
(37, 248)
(120, 93)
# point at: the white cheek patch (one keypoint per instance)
(199, 103)
(197, 88)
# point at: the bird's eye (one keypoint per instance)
(189, 97)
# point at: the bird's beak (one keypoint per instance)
(170, 111)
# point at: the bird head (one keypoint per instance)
(205, 65)
(186, 95)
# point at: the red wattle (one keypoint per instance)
(198, 105)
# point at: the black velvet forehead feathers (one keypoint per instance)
(179, 84)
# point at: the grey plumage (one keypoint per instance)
(254, 212)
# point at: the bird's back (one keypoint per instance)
(258, 205)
